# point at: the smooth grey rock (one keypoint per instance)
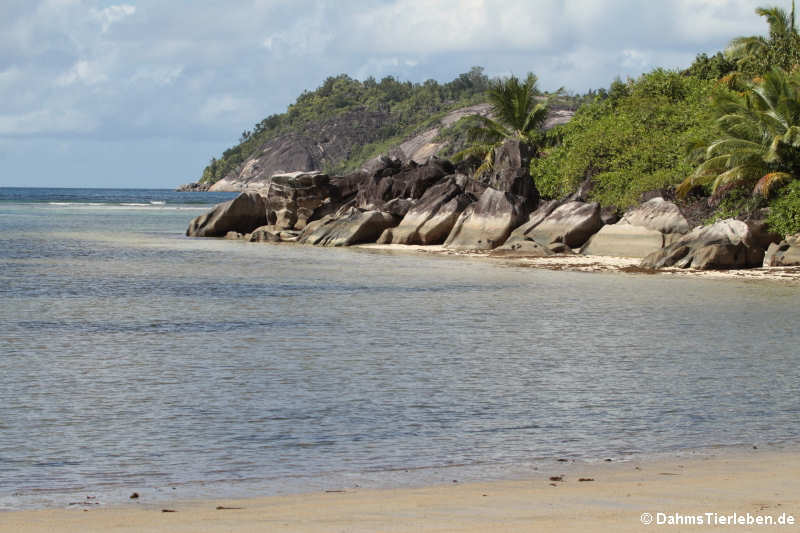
(785, 253)
(355, 227)
(641, 231)
(398, 206)
(511, 170)
(659, 215)
(411, 181)
(264, 234)
(624, 240)
(535, 218)
(725, 244)
(487, 223)
(571, 223)
(432, 218)
(242, 214)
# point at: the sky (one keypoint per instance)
(144, 93)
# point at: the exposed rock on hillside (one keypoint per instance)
(324, 142)
(331, 141)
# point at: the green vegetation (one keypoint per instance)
(760, 143)
(736, 115)
(756, 55)
(630, 139)
(517, 114)
(784, 214)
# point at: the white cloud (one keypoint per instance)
(46, 121)
(205, 71)
(82, 71)
(158, 76)
(112, 14)
(216, 107)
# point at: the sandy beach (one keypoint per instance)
(730, 485)
(596, 263)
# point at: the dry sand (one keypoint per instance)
(596, 263)
(760, 482)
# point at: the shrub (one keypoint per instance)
(784, 215)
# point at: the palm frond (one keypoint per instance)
(769, 181)
(742, 47)
(778, 20)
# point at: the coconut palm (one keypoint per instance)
(754, 54)
(760, 147)
(516, 113)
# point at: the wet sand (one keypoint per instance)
(763, 483)
(596, 263)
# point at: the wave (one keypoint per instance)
(158, 202)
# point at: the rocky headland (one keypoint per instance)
(437, 203)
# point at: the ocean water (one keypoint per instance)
(133, 359)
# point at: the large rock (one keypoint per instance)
(643, 230)
(432, 218)
(243, 214)
(293, 197)
(571, 223)
(659, 215)
(624, 240)
(511, 170)
(487, 223)
(535, 218)
(785, 253)
(354, 227)
(410, 181)
(725, 244)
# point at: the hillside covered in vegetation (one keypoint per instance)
(345, 122)
(656, 134)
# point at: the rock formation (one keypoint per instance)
(641, 231)
(785, 253)
(487, 223)
(354, 227)
(725, 244)
(432, 218)
(242, 214)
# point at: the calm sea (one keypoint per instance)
(133, 358)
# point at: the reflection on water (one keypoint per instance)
(132, 358)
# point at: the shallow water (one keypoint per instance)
(133, 358)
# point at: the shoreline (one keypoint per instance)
(597, 263)
(759, 481)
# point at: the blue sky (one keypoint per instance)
(144, 93)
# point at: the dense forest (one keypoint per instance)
(724, 131)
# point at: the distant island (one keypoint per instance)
(689, 169)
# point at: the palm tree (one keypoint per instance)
(760, 147)
(517, 114)
(755, 54)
